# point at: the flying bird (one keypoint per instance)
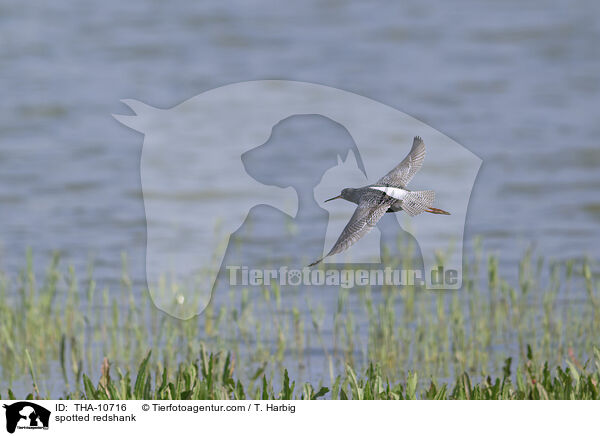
(388, 194)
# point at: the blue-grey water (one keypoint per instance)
(516, 83)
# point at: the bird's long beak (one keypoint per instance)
(339, 196)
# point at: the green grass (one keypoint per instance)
(211, 377)
(56, 327)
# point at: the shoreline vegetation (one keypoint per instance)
(211, 377)
(63, 337)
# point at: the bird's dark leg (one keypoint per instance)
(437, 211)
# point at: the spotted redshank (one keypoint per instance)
(388, 194)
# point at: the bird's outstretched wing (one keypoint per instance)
(365, 217)
(400, 175)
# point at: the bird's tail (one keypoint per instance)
(416, 202)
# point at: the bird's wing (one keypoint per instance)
(365, 217)
(402, 173)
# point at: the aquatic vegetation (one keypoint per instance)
(211, 377)
(57, 328)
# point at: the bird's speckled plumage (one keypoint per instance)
(375, 200)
